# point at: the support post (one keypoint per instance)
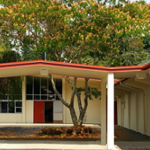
(103, 112)
(24, 99)
(110, 111)
(64, 97)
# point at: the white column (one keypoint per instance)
(103, 112)
(24, 99)
(110, 111)
(64, 96)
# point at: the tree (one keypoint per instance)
(9, 85)
(147, 48)
(84, 32)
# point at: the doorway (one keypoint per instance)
(48, 112)
(43, 112)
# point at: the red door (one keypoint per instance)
(38, 112)
(115, 113)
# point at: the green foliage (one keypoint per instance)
(10, 85)
(87, 32)
(92, 92)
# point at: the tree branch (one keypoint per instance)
(86, 94)
(57, 93)
(82, 113)
(77, 94)
(73, 92)
(70, 84)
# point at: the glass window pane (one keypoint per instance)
(18, 110)
(50, 88)
(18, 97)
(29, 84)
(36, 85)
(28, 97)
(36, 97)
(11, 107)
(51, 97)
(57, 98)
(59, 85)
(4, 107)
(43, 97)
(18, 104)
(43, 85)
(3, 97)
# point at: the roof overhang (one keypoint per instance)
(59, 68)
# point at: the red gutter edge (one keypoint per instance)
(145, 67)
(71, 65)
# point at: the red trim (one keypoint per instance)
(145, 67)
(76, 66)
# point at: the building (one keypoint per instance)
(128, 100)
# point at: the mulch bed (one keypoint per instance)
(67, 133)
(50, 133)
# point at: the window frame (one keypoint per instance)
(40, 95)
(8, 101)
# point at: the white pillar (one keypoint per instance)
(103, 112)
(64, 97)
(110, 111)
(24, 99)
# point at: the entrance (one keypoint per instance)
(43, 112)
(38, 112)
(48, 112)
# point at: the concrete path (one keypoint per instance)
(43, 124)
(49, 145)
(133, 145)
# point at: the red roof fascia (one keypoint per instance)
(71, 65)
(145, 67)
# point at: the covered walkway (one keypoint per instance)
(105, 74)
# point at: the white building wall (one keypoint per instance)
(148, 111)
(29, 111)
(136, 112)
(93, 110)
(11, 118)
(133, 111)
(140, 113)
(126, 111)
(119, 110)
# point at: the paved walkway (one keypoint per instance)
(133, 145)
(49, 145)
(66, 145)
(43, 124)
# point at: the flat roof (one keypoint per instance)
(61, 68)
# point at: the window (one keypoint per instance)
(11, 107)
(36, 85)
(18, 107)
(4, 107)
(29, 87)
(40, 88)
(29, 83)
(8, 106)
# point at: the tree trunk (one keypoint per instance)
(83, 111)
(73, 116)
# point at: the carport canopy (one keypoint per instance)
(105, 74)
